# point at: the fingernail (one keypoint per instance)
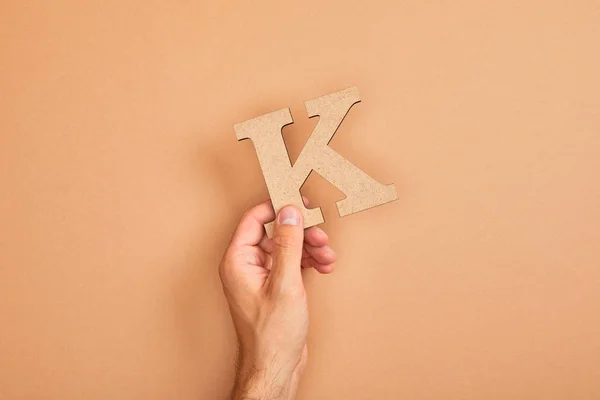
(288, 216)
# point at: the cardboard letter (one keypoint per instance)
(284, 180)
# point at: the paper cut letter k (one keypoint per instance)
(284, 180)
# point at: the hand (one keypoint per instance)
(263, 284)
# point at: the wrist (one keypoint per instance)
(258, 380)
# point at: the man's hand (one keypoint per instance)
(263, 284)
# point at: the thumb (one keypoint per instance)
(288, 238)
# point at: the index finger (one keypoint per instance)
(250, 229)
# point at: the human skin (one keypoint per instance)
(262, 280)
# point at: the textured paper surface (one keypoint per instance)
(284, 180)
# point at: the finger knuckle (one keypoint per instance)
(226, 266)
(224, 272)
(283, 241)
(246, 215)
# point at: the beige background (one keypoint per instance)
(121, 180)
